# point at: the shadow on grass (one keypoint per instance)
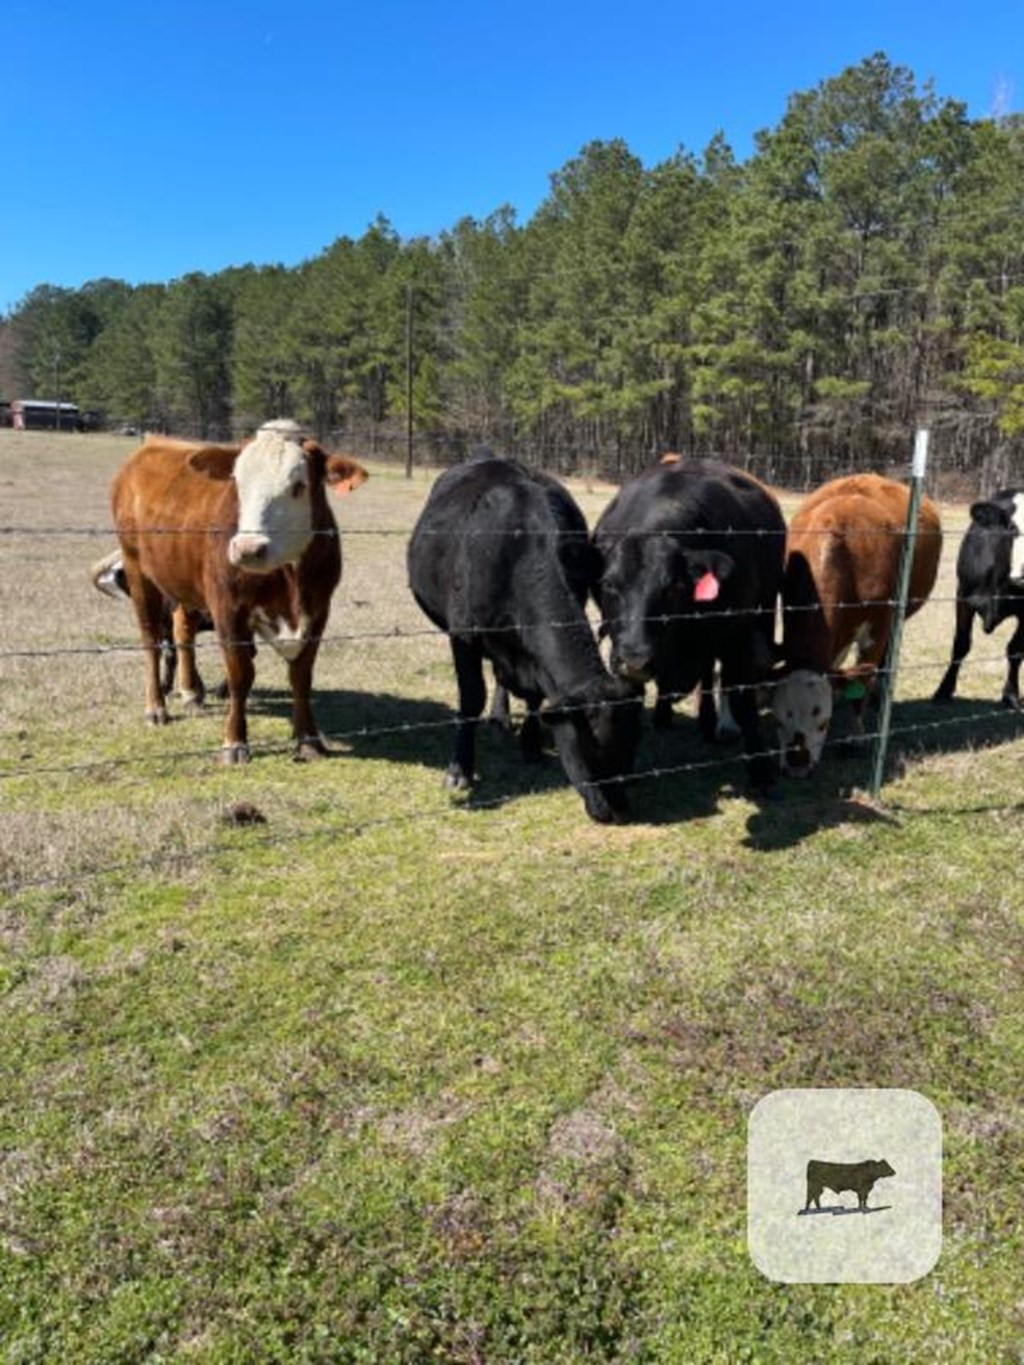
(956, 726)
(839, 1209)
(829, 797)
(398, 729)
(677, 775)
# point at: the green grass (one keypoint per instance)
(391, 1079)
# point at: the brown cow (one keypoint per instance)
(842, 568)
(245, 536)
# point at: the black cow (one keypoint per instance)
(500, 559)
(692, 559)
(859, 1176)
(990, 581)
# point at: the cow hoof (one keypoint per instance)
(309, 749)
(157, 716)
(1011, 702)
(193, 702)
(231, 755)
(456, 780)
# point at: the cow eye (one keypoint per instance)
(298, 489)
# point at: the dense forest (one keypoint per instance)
(861, 272)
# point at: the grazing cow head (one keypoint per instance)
(278, 478)
(994, 549)
(802, 707)
(649, 583)
(596, 735)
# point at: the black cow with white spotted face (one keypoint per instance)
(990, 584)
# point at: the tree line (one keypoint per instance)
(799, 313)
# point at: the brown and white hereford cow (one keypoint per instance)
(244, 536)
(843, 551)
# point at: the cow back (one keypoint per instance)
(843, 553)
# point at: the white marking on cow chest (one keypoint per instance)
(1017, 549)
(280, 634)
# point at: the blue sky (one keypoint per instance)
(142, 141)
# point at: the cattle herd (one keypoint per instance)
(687, 567)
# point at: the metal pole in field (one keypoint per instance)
(892, 658)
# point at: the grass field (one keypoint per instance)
(391, 1079)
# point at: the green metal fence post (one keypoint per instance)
(892, 658)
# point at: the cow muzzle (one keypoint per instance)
(796, 758)
(249, 551)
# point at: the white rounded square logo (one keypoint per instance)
(844, 1186)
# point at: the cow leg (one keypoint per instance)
(190, 684)
(961, 646)
(761, 766)
(308, 740)
(150, 611)
(169, 663)
(500, 713)
(663, 717)
(707, 714)
(531, 744)
(469, 673)
(236, 642)
(1014, 652)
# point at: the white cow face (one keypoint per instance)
(802, 707)
(1017, 549)
(275, 514)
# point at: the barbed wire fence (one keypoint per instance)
(145, 763)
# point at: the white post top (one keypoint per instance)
(920, 452)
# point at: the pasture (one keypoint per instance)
(392, 1077)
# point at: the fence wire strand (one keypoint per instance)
(395, 632)
(459, 807)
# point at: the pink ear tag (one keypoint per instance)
(706, 589)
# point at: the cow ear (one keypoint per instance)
(989, 514)
(344, 474)
(217, 462)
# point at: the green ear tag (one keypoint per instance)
(855, 691)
